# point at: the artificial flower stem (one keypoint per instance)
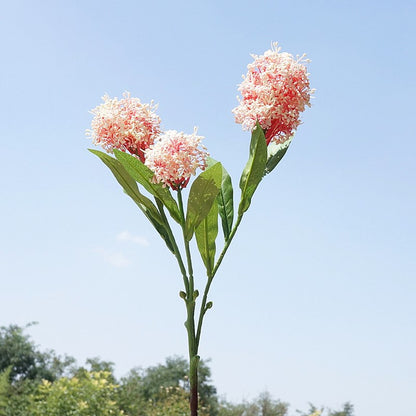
(193, 381)
(204, 309)
(190, 321)
(227, 244)
(186, 242)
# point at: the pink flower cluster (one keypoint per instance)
(175, 157)
(129, 125)
(275, 91)
(125, 124)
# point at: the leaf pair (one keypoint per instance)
(129, 171)
(202, 213)
(202, 195)
(262, 160)
(211, 194)
(225, 202)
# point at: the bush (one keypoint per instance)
(91, 394)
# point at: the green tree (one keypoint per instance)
(97, 364)
(263, 405)
(15, 398)
(94, 365)
(141, 386)
(19, 354)
(171, 401)
(348, 410)
(270, 407)
(237, 409)
(92, 394)
(4, 390)
(313, 411)
(130, 393)
(22, 367)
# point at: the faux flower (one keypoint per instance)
(274, 91)
(124, 124)
(174, 157)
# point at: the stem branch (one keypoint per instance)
(190, 320)
(211, 277)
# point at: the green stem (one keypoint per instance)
(227, 244)
(191, 295)
(211, 277)
(193, 381)
(190, 321)
(203, 310)
(186, 242)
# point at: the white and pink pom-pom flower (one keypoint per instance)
(275, 91)
(174, 157)
(124, 124)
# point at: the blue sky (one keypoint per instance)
(315, 301)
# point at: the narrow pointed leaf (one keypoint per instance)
(130, 188)
(204, 190)
(128, 183)
(254, 169)
(161, 229)
(143, 175)
(225, 201)
(205, 235)
(275, 153)
(226, 204)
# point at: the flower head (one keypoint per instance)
(174, 157)
(275, 91)
(125, 124)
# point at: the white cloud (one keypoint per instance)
(116, 259)
(137, 239)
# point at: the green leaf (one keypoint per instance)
(275, 153)
(254, 169)
(130, 188)
(128, 183)
(205, 234)
(225, 201)
(226, 204)
(143, 175)
(161, 229)
(202, 195)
